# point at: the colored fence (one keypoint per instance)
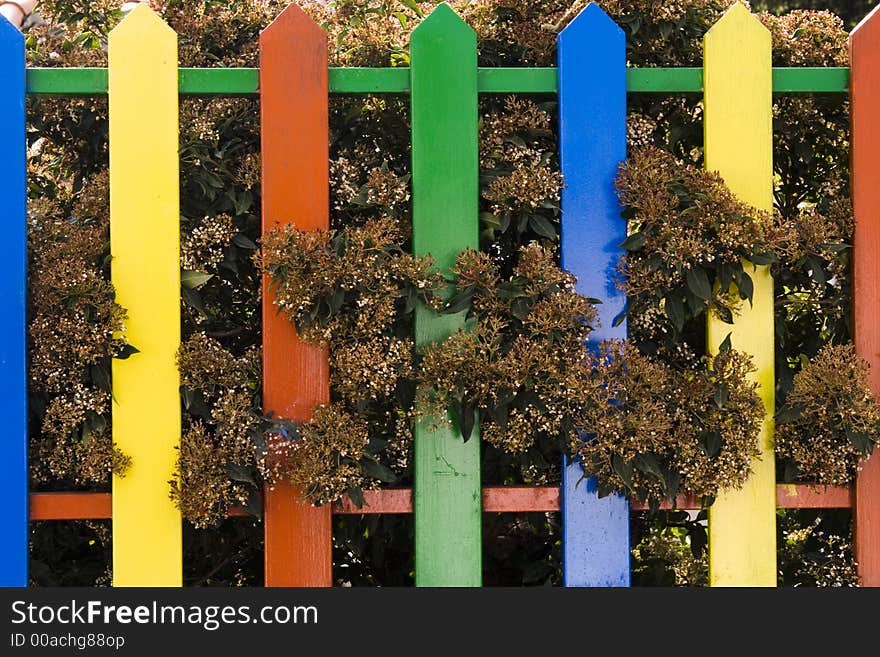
(444, 81)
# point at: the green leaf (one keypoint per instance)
(254, 504)
(634, 242)
(647, 463)
(764, 258)
(624, 470)
(789, 413)
(194, 300)
(675, 311)
(192, 280)
(458, 303)
(467, 418)
(244, 242)
(699, 538)
(817, 271)
(100, 374)
(712, 442)
(542, 226)
(725, 346)
(356, 495)
(725, 314)
(520, 309)
(238, 472)
(725, 276)
(722, 394)
(126, 351)
(698, 283)
(375, 470)
(860, 441)
(834, 247)
(746, 286)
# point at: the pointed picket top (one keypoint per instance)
(736, 23)
(738, 87)
(866, 32)
(867, 26)
(443, 20)
(142, 20)
(293, 19)
(591, 20)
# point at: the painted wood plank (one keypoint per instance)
(500, 499)
(592, 128)
(13, 295)
(865, 108)
(739, 145)
(445, 222)
(145, 269)
(295, 155)
(244, 81)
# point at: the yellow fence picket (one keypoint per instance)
(739, 145)
(145, 246)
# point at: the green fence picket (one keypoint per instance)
(445, 171)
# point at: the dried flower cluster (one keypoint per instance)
(814, 552)
(329, 456)
(654, 430)
(348, 284)
(831, 420)
(688, 237)
(75, 329)
(519, 366)
(223, 449)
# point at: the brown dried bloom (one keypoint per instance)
(652, 430)
(830, 420)
(345, 285)
(519, 365)
(807, 38)
(323, 461)
(202, 247)
(201, 488)
(206, 366)
(526, 188)
(371, 369)
(75, 328)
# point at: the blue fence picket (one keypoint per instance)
(13, 267)
(592, 126)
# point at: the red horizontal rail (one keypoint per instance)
(508, 499)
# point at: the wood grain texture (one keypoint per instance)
(145, 270)
(739, 145)
(445, 222)
(295, 190)
(592, 135)
(865, 172)
(13, 293)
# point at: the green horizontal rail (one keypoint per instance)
(245, 81)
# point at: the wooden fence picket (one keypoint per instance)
(13, 294)
(737, 87)
(865, 172)
(145, 270)
(445, 172)
(592, 139)
(294, 138)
